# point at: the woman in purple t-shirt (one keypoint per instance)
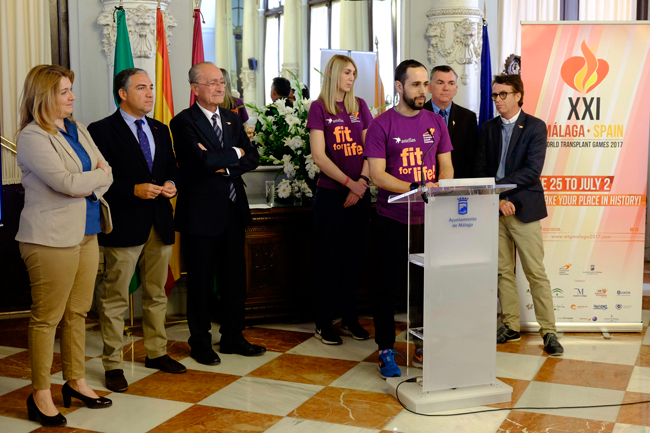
(337, 124)
(230, 102)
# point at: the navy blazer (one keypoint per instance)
(524, 163)
(463, 132)
(133, 216)
(203, 200)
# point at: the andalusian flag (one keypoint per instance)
(163, 112)
(124, 60)
(123, 56)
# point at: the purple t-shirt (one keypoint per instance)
(240, 111)
(343, 139)
(402, 141)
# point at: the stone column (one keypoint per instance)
(304, 40)
(455, 38)
(222, 35)
(248, 77)
(291, 42)
(261, 39)
(141, 23)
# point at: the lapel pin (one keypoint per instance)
(521, 127)
(228, 123)
(453, 122)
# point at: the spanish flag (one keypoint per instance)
(163, 112)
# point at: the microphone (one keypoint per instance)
(425, 198)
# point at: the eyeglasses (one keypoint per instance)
(212, 84)
(502, 95)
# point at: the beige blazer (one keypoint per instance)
(52, 176)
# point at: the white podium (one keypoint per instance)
(458, 304)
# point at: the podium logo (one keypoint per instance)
(584, 74)
(529, 306)
(462, 205)
(558, 293)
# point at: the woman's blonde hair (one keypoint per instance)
(330, 87)
(228, 100)
(41, 89)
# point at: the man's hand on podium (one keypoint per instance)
(506, 208)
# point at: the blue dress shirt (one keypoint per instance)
(130, 121)
(92, 204)
(437, 110)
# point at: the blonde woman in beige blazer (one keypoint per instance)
(65, 177)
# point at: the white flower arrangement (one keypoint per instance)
(282, 138)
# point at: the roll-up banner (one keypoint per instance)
(590, 83)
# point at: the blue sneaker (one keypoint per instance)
(418, 355)
(387, 365)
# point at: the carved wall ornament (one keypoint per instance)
(512, 65)
(454, 11)
(248, 79)
(289, 67)
(465, 48)
(141, 23)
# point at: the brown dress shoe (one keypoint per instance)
(115, 380)
(166, 364)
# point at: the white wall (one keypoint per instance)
(88, 61)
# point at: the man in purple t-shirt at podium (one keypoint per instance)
(396, 144)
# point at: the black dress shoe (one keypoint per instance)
(166, 364)
(206, 357)
(243, 348)
(92, 403)
(115, 380)
(34, 414)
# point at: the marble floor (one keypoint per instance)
(301, 386)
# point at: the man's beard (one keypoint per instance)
(411, 103)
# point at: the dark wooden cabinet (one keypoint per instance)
(279, 245)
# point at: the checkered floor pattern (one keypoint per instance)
(302, 385)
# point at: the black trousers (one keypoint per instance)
(204, 255)
(392, 268)
(339, 244)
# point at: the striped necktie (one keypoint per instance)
(233, 194)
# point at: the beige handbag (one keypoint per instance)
(105, 220)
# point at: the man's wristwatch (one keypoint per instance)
(414, 185)
(365, 178)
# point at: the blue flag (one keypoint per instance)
(486, 106)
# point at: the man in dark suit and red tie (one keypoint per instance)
(145, 178)
(461, 122)
(212, 213)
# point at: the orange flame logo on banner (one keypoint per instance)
(584, 73)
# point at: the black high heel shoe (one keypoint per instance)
(34, 414)
(93, 403)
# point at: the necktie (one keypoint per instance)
(444, 114)
(233, 194)
(144, 144)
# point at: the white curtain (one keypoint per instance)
(510, 15)
(24, 43)
(355, 27)
(607, 10)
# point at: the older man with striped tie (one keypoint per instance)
(212, 212)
